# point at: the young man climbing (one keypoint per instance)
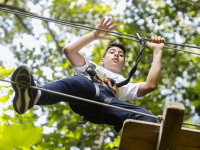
(93, 82)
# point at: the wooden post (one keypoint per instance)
(170, 126)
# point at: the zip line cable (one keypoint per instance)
(176, 44)
(181, 50)
(191, 124)
(27, 14)
(159, 118)
(79, 98)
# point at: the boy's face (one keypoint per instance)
(114, 59)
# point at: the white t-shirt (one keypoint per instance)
(126, 92)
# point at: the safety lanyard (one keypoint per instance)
(139, 56)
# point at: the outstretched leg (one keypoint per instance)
(116, 117)
(25, 98)
(113, 116)
(76, 85)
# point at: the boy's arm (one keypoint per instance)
(154, 74)
(71, 50)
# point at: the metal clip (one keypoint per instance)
(138, 36)
(159, 119)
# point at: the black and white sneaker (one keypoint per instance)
(25, 97)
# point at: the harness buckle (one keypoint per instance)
(107, 81)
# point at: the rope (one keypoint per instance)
(181, 50)
(159, 118)
(191, 124)
(117, 34)
(79, 98)
(177, 44)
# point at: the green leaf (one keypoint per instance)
(197, 40)
(4, 99)
(16, 136)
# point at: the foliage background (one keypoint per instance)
(39, 44)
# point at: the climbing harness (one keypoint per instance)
(106, 81)
(102, 110)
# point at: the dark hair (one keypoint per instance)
(120, 45)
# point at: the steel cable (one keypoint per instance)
(117, 34)
(79, 98)
(94, 102)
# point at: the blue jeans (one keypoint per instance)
(82, 87)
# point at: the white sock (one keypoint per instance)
(37, 97)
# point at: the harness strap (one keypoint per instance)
(97, 92)
(102, 110)
(139, 56)
(108, 100)
(95, 98)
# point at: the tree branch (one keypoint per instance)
(24, 25)
(6, 1)
(12, 7)
(54, 38)
(17, 16)
(23, 10)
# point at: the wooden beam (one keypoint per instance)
(170, 128)
(139, 135)
(189, 139)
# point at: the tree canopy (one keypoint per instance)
(39, 44)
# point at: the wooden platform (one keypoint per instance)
(141, 135)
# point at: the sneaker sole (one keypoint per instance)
(22, 100)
